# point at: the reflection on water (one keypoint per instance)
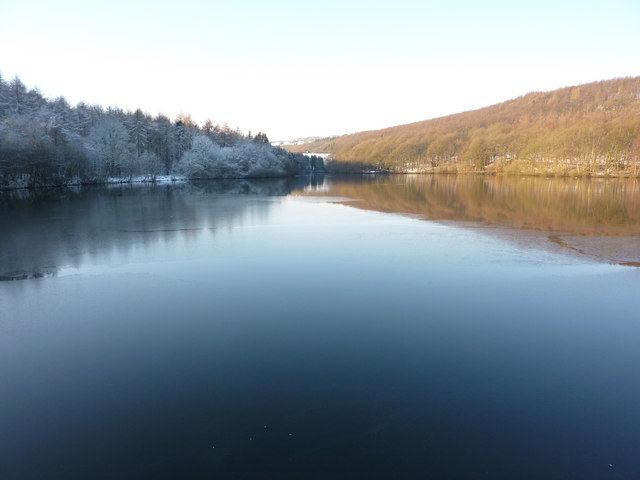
(595, 217)
(47, 229)
(225, 330)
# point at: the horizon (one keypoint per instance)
(330, 135)
(370, 69)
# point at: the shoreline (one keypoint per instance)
(143, 179)
(174, 179)
(492, 172)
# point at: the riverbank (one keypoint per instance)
(24, 182)
(514, 168)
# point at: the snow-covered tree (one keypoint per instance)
(137, 126)
(16, 97)
(4, 97)
(47, 142)
(109, 140)
(203, 160)
(150, 164)
(246, 159)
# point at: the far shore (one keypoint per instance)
(343, 169)
(506, 169)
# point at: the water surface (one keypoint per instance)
(378, 327)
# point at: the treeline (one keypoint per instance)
(49, 142)
(584, 130)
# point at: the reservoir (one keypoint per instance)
(401, 326)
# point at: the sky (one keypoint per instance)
(295, 68)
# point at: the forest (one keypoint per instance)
(48, 142)
(591, 129)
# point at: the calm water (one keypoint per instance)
(379, 327)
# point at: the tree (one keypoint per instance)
(184, 131)
(208, 128)
(138, 131)
(109, 140)
(478, 153)
(150, 164)
(203, 160)
(17, 97)
(47, 142)
(161, 141)
(261, 138)
(4, 97)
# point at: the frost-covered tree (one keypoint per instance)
(109, 140)
(4, 97)
(150, 164)
(17, 97)
(80, 120)
(137, 125)
(245, 159)
(49, 142)
(35, 101)
(203, 160)
(254, 160)
(185, 129)
(161, 141)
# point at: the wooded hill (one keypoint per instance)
(583, 130)
(48, 142)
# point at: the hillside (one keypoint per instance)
(582, 130)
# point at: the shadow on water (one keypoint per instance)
(43, 230)
(599, 218)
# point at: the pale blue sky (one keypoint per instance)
(295, 68)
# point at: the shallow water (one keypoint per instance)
(296, 329)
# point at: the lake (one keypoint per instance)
(447, 327)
